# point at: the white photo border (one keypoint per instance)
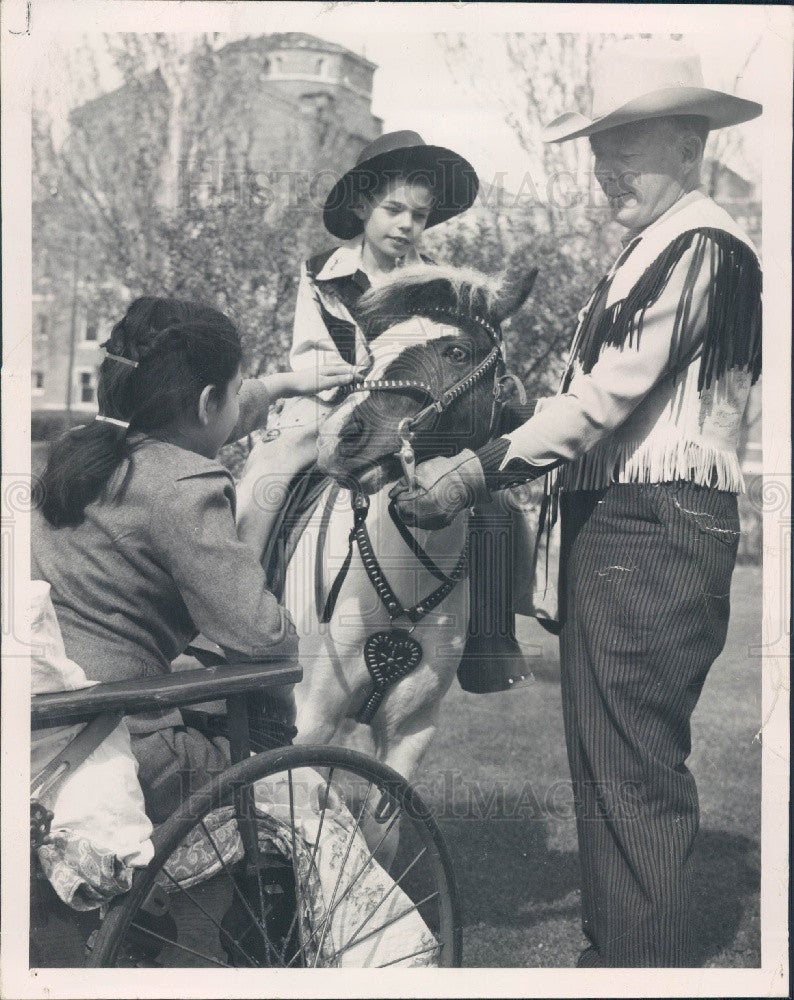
(22, 25)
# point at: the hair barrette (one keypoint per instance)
(112, 420)
(121, 361)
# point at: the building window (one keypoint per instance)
(38, 382)
(41, 326)
(91, 331)
(87, 387)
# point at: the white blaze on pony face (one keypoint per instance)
(359, 445)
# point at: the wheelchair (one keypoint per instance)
(282, 897)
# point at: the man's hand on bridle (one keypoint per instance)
(444, 487)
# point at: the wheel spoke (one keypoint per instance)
(326, 922)
(250, 840)
(383, 899)
(222, 932)
(363, 868)
(181, 947)
(392, 920)
(402, 958)
(295, 875)
(236, 889)
(322, 818)
(313, 859)
(185, 892)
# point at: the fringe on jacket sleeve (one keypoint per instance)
(731, 334)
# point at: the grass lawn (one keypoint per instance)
(498, 774)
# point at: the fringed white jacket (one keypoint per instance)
(661, 365)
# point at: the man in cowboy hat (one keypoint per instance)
(642, 439)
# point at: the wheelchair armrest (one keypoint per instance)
(188, 687)
(208, 653)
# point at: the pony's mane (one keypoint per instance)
(436, 292)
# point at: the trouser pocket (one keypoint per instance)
(697, 512)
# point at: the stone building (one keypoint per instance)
(273, 118)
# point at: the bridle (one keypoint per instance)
(439, 402)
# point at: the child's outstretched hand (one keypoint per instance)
(314, 380)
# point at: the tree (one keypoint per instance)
(556, 220)
(112, 212)
(131, 178)
(538, 337)
(533, 79)
(725, 145)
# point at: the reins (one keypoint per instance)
(413, 543)
(360, 535)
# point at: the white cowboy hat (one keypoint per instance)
(644, 78)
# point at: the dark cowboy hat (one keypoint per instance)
(402, 154)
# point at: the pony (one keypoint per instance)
(377, 602)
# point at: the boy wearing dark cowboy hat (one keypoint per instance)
(644, 432)
(380, 207)
(399, 187)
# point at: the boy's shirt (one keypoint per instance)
(325, 328)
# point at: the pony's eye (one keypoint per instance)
(457, 354)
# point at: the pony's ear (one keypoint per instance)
(515, 285)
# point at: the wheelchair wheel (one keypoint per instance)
(302, 857)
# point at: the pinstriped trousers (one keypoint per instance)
(645, 581)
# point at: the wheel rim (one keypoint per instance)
(330, 904)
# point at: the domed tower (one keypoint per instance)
(298, 102)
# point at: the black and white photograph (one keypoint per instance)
(396, 499)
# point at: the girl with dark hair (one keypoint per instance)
(166, 360)
(136, 527)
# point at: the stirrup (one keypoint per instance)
(492, 663)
